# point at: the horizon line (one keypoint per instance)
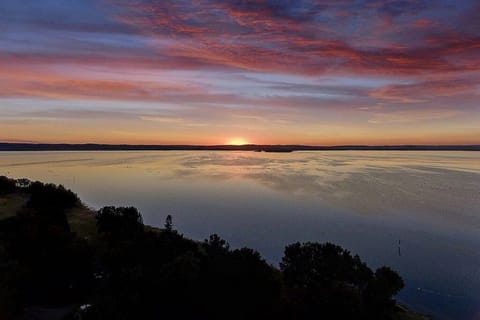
(23, 146)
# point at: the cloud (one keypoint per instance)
(428, 90)
(412, 116)
(303, 37)
(283, 64)
(423, 23)
(290, 37)
(54, 85)
(308, 37)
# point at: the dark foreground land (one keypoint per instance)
(60, 260)
(248, 147)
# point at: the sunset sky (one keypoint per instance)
(258, 71)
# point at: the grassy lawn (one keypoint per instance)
(80, 218)
(10, 204)
(82, 221)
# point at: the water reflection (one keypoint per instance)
(365, 201)
(445, 186)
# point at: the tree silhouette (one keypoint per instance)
(128, 271)
(7, 185)
(329, 281)
(119, 221)
(168, 223)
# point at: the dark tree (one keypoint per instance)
(214, 244)
(324, 280)
(51, 197)
(23, 183)
(169, 223)
(7, 185)
(388, 281)
(381, 290)
(311, 265)
(119, 221)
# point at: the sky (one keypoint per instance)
(312, 72)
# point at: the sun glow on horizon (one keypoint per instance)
(237, 142)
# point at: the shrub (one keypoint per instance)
(119, 221)
(7, 185)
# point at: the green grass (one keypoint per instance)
(80, 218)
(82, 221)
(11, 203)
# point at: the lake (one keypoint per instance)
(418, 212)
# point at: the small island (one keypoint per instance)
(61, 260)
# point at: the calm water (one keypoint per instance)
(364, 201)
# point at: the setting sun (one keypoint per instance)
(237, 142)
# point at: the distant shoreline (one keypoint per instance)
(249, 147)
